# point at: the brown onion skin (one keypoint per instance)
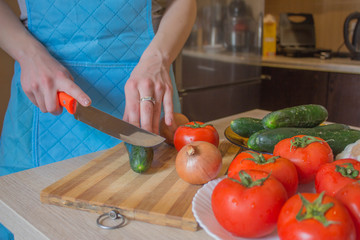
(198, 162)
(168, 131)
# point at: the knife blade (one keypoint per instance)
(109, 124)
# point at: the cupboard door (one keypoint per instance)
(344, 98)
(198, 73)
(213, 103)
(292, 87)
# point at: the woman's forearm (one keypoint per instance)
(174, 30)
(14, 37)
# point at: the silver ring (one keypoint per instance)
(151, 99)
(113, 215)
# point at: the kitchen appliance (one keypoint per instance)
(297, 35)
(108, 124)
(353, 43)
(107, 183)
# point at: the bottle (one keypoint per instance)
(269, 36)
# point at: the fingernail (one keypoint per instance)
(86, 102)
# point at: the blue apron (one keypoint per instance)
(100, 43)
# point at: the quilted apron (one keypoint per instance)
(99, 42)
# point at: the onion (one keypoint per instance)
(168, 131)
(198, 162)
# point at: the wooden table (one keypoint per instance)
(22, 212)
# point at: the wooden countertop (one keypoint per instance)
(22, 212)
(339, 65)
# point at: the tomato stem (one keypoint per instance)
(347, 171)
(302, 142)
(315, 210)
(196, 125)
(247, 181)
(260, 159)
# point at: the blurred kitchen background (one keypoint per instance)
(223, 70)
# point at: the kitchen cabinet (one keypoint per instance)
(344, 98)
(282, 87)
(338, 92)
(211, 89)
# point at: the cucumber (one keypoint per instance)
(246, 126)
(310, 115)
(338, 136)
(140, 157)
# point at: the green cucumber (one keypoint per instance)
(140, 157)
(246, 126)
(308, 116)
(338, 136)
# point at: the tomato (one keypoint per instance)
(248, 205)
(315, 216)
(282, 169)
(307, 153)
(195, 131)
(332, 177)
(350, 197)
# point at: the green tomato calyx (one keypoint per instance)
(302, 142)
(347, 170)
(247, 181)
(315, 210)
(197, 125)
(260, 159)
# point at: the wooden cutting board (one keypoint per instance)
(107, 183)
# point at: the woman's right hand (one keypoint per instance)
(42, 77)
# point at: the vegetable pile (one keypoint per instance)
(260, 192)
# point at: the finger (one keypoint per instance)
(132, 109)
(40, 102)
(69, 87)
(52, 102)
(168, 106)
(146, 113)
(159, 95)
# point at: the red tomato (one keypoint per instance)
(332, 177)
(296, 220)
(248, 210)
(195, 131)
(282, 169)
(350, 197)
(307, 153)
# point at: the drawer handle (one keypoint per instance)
(265, 77)
(201, 67)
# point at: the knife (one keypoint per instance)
(109, 124)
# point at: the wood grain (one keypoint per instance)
(107, 182)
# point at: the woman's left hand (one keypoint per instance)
(149, 79)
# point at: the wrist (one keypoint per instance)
(157, 55)
(29, 50)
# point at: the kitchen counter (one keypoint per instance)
(339, 65)
(22, 212)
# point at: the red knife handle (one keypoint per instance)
(67, 102)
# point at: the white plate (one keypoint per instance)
(201, 207)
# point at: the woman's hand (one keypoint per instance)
(42, 77)
(150, 78)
